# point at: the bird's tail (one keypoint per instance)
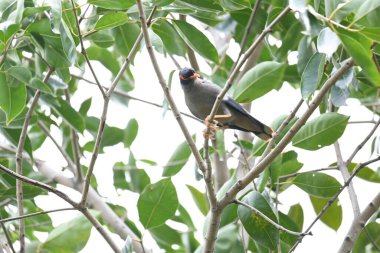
(261, 130)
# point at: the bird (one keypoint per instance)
(200, 96)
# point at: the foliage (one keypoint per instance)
(44, 56)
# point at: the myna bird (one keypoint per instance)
(200, 96)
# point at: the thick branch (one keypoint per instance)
(346, 175)
(358, 224)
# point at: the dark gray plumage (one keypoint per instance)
(200, 96)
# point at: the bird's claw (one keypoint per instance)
(209, 132)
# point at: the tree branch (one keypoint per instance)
(279, 227)
(242, 183)
(361, 145)
(103, 117)
(20, 148)
(9, 240)
(96, 202)
(66, 198)
(83, 49)
(358, 224)
(36, 214)
(346, 175)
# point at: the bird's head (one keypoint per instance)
(186, 75)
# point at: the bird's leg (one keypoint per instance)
(212, 125)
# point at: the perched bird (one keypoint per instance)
(200, 96)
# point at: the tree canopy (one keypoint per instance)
(52, 52)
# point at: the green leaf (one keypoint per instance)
(259, 80)
(317, 184)
(365, 173)
(30, 11)
(111, 20)
(13, 136)
(113, 4)
(111, 135)
(234, 5)
(296, 214)
(288, 223)
(305, 52)
(327, 42)
(105, 57)
(12, 98)
(85, 106)
(157, 203)
(260, 230)
(229, 240)
(29, 192)
(196, 40)
(312, 75)
(22, 74)
(372, 33)
(166, 236)
(333, 216)
(72, 117)
(125, 37)
(37, 84)
(130, 132)
(68, 237)
(68, 44)
(137, 178)
(177, 160)
(102, 39)
(321, 131)
(359, 47)
(367, 7)
(172, 41)
(200, 199)
(161, 3)
(370, 234)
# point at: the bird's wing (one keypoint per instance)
(230, 103)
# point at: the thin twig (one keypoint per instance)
(282, 127)
(36, 214)
(9, 240)
(328, 20)
(235, 71)
(278, 226)
(331, 201)
(70, 163)
(103, 117)
(75, 147)
(83, 49)
(247, 30)
(5, 52)
(20, 148)
(66, 198)
(190, 52)
(361, 145)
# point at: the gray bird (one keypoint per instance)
(200, 96)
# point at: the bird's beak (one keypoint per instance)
(195, 75)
